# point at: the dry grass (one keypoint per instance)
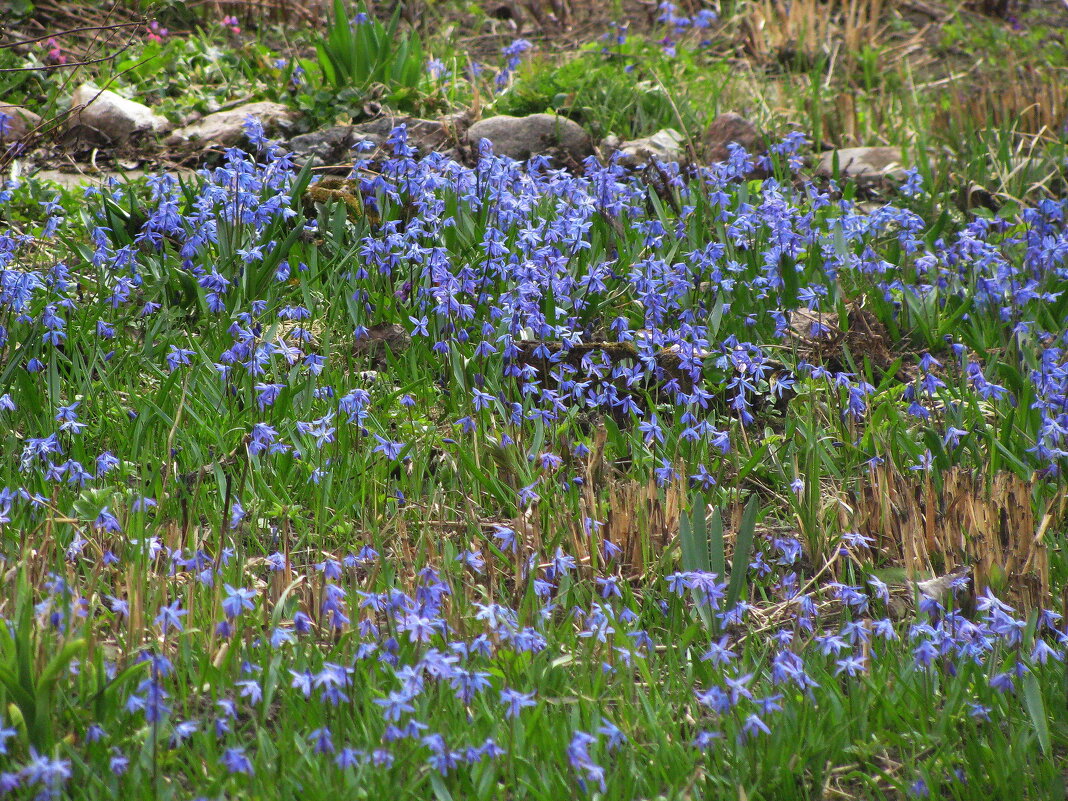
(1035, 103)
(985, 522)
(257, 11)
(803, 31)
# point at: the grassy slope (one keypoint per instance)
(284, 604)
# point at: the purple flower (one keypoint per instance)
(178, 356)
(1002, 682)
(753, 725)
(979, 711)
(322, 741)
(119, 762)
(616, 738)
(106, 521)
(170, 617)
(850, 665)
(250, 689)
(237, 600)
(924, 653)
(578, 755)
(47, 772)
(5, 735)
(391, 450)
(514, 701)
(395, 705)
(719, 653)
(235, 761)
(183, 731)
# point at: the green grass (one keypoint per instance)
(681, 583)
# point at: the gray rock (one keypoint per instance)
(381, 338)
(325, 146)
(334, 145)
(538, 134)
(727, 128)
(16, 122)
(666, 145)
(866, 165)
(226, 128)
(425, 136)
(936, 588)
(80, 180)
(111, 115)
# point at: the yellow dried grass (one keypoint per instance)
(985, 522)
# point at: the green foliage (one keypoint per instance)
(31, 688)
(743, 552)
(1031, 38)
(24, 83)
(1036, 708)
(702, 549)
(622, 92)
(361, 52)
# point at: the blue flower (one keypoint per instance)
(170, 617)
(5, 735)
(237, 600)
(235, 761)
(514, 701)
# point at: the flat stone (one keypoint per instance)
(380, 338)
(666, 145)
(16, 122)
(334, 145)
(537, 134)
(226, 128)
(112, 115)
(728, 128)
(863, 164)
(78, 180)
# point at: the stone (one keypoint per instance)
(112, 115)
(323, 147)
(666, 145)
(333, 146)
(727, 128)
(865, 165)
(538, 134)
(16, 122)
(381, 338)
(226, 128)
(80, 180)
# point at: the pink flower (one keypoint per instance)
(55, 54)
(156, 33)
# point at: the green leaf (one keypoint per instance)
(700, 532)
(743, 552)
(22, 699)
(686, 543)
(693, 542)
(441, 792)
(717, 559)
(54, 669)
(105, 696)
(491, 484)
(1032, 698)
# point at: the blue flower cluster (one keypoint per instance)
(202, 346)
